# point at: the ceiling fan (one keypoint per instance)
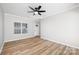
(36, 10)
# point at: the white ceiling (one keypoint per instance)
(21, 9)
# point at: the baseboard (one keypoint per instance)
(0, 51)
(1, 48)
(12, 40)
(19, 39)
(60, 42)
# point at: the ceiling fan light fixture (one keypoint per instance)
(36, 13)
(36, 10)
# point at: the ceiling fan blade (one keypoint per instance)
(42, 11)
(31, 8)
(30, 11)
(39, 7)
(39, 13)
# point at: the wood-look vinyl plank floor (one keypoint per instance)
(37, 46)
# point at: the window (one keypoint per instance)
(24, 28)
(20, 28)
(17, 28)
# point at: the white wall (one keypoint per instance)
(9, 27)
(1, 29)
(62, 28)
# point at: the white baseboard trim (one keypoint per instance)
(1, 48)
(60, 42)
(0, 51)
(19, 39)
(12, 40)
